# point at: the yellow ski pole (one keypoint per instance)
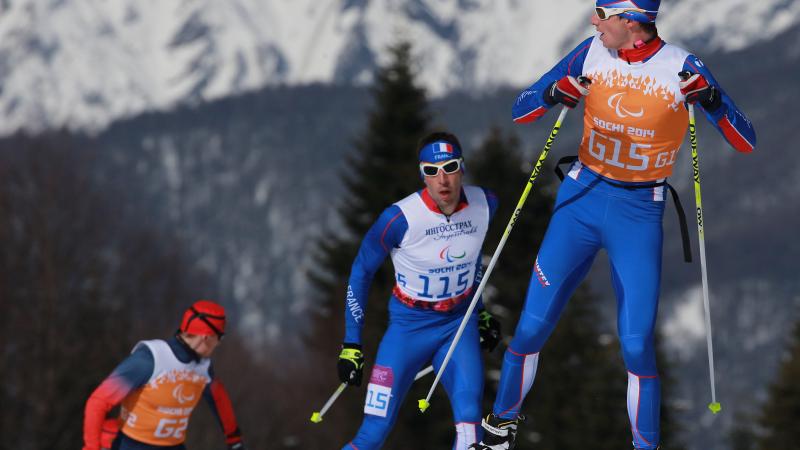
(714, 406)
(425, 403)
(316, 417)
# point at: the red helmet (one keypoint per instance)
(204, 318)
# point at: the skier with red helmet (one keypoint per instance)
(635, 121)
(158, 387)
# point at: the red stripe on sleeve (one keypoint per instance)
(385, 230)
(575, 56)
(531, 116)
(733, 136)
(225, 411)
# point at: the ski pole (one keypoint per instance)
(714, 406)
(316, 417)
(425, 403)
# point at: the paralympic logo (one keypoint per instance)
(445, 254)
(178, 394)
(614, 103)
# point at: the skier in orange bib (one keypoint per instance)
(159, 385)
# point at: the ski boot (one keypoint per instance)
(499, 434)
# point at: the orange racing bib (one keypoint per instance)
(158, 412)
(634, 118)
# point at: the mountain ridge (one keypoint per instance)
(82, 65)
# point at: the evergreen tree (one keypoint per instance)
(780, 415)
(381, 170)
(578, 399)
(499, 166)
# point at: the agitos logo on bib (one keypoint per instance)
(634, 123)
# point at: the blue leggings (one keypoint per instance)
(591, 214)
(414, 339)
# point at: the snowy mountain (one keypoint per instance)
(85, 63)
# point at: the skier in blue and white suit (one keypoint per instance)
(434, 237)
(612, 199)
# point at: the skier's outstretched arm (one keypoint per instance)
(703, 89)
(531, 104)
(129, 375)
(384, 235)
(218, 399)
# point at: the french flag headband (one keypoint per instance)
(439, 151)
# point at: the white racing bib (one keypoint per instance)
(437, 257)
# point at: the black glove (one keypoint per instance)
(567, 91)
(489, 329)
(696, 89)
(351, 364)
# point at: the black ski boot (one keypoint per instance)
(498, 434)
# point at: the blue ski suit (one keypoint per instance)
(613, 199)
(437, 267)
